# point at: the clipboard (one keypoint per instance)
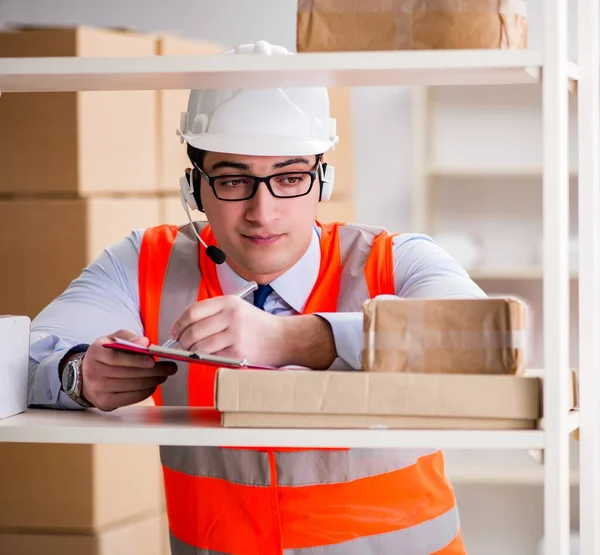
(183, 356)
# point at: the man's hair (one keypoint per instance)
(196, 155)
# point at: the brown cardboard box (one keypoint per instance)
(165, 540)
(140, 537)
(334, 25)
(72, 142)
(332, 399)
(77, 488)
(172, 155)
(445, 335)
(172, 212)
(336, 211)
(341, 157)
(47, 243)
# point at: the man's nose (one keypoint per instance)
(263, 207)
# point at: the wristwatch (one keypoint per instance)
(72, 383)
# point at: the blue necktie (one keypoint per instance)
(261, 294)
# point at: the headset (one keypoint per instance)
(190, 198)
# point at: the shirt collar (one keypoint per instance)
(294, 286)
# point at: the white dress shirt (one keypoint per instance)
(105, 298)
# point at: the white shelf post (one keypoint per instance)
(556, 277)
(421, 219)
(589, 280)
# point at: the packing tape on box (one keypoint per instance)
(415, 343)
(430, 340)
(513, 7)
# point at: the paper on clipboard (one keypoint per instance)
(184, 356)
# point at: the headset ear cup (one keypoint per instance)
(187, 193)
(327, 181)
(196, 190)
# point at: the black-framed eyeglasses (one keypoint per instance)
(232, 188)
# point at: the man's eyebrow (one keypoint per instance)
(230, 164)
(291, 162)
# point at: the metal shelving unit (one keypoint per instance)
(429, 68)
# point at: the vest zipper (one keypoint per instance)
(278, 541)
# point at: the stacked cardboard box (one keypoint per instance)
(337, 399)
(426, 364)
(140, 537)
(80, 499)
(445, 336)
(79, 171)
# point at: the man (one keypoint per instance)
(258, 172)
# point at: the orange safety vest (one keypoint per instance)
(269, 501)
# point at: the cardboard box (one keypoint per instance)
(336, 211)
(341, 157)
(47, 243)
(445, 335)
(332, 399)
(337, 25)
(77, 142)
(77, 489)
(165, 538)
(172, 212)
(172, 157)
(14, 361)
(141, 537)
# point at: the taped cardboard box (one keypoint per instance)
(445, 335)
(334, 399)
(77, 142)
(347, 25)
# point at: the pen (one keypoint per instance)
(241, 293)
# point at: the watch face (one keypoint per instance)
(68, 380)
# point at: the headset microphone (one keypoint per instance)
(214, 253)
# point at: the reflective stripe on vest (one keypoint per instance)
(238, 501)
(400, 542)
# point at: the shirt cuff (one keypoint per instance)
(347, 329)
(46, 390)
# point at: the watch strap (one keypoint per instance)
(77, 394)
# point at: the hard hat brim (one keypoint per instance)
(257, 145)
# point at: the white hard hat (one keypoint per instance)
(259, 122)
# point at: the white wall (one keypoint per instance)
(495, 519)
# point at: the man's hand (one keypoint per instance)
(231, 327)
(113, 379)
